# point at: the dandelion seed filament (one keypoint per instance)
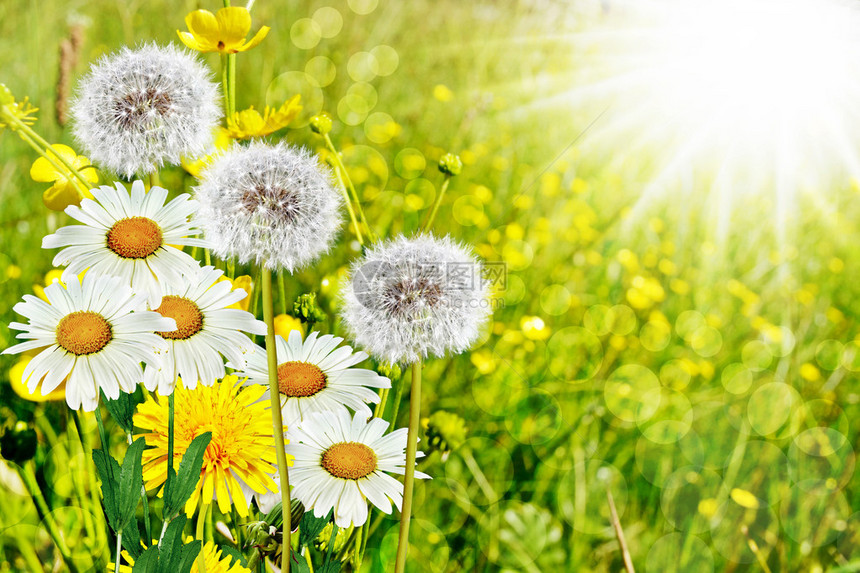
(135, 108)
(83, 332)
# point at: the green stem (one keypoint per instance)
(308, 559)
(57, 166)
(231, 75)
(349, 184)
(78, 484)
(83, 433)
(29, 479)
(24, 128)
(145, 499)
(225, 85)
(349, 208)
(171, 427)
(154, 180)
(277, 419)
(118, 550)
(283, 288)
(409, 477)
(426, 226)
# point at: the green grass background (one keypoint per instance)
(681, 372)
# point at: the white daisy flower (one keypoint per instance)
(412, 297)
(206, 329)
(138, 109)
(340, 463)
(95, 332)
(316, 376)
(273, 205)
(130, 236)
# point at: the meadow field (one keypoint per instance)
(695, 358)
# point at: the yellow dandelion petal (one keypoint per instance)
(242, 446)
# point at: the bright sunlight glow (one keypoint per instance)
(757, 96)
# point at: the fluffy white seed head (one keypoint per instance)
(273, 205)
(137, 109)
(413, 297)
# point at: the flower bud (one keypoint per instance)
(321, 123)
(450, 164)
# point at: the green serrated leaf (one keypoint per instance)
(188, 553)
(122, 409)
(235, 554)
(131, 539)
(147, 562)
(310, 527)
(182, 487)
(130, 482)
(169, 554)
(299, 564)
(109, 471)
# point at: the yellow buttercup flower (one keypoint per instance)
(284, 324)
(242, 450)
(20, 110)
(249, 123)
(19, 385)
(64, 191)
(245, 283)
(222, 32)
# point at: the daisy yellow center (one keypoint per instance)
(300, 379)
(189, 319)
(134, 237)
(349, 460)
(83, 332)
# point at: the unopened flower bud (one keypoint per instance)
(450, 164)
(321, 123)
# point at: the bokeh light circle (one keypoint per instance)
(632, 393)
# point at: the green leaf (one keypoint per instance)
(330, 567)
(147, 562)
(310, 527)
(108, 470)
(235, 554)
(122, 409)
(299, 565)
(179, 490)
(131, 539)
(130, 482)
(188, 553)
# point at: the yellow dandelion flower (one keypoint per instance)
(249, 123)
(19, 385)
(212, 559)
(240, 455)
(64, 191)
(223, 32)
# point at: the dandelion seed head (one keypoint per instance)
(142, 107)
(268, 204)
(413, 297)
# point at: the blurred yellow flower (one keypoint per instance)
(19, 385)
(13, 272)
(534, 328)
(285, 323)
(64, 191)
(20, 110)
(249, 123)
(223, 32)
(195, 165)
(809, 372)
(50, 277)
(744, 498)
(443, 93)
